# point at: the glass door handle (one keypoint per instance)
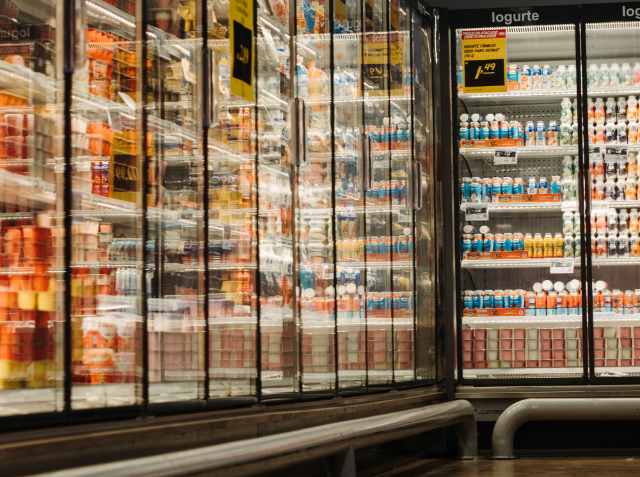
(367, 155)
(417, 186)
(588, 191)
(212, 108)
(75, 43)
(301, 132)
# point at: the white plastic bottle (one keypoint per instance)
(614, 75)
(561, 77)
(604, 75)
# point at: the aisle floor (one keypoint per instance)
(524, 467)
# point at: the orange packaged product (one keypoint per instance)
(21, 282)
(98, 333)
(36, 234)
(36, 250)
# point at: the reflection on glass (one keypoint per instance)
(516, 313)
(175, 240)
(425, 282)
(31, 206)
(107, 168)
(276, 235)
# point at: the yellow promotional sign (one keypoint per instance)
(484, 61)
(241, 45)
(382, 70)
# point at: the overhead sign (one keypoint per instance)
(241, 42)
(484, 61)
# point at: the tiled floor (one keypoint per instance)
(524, 467)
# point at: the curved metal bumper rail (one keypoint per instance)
(336, 443)
(582, 409)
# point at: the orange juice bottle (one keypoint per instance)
(538, 246)
(548, 246)
(558, 246)
(528, 244)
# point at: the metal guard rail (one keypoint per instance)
(557, 409)
(336, 443)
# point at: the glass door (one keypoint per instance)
(276, 176)
(612, 68)
(317, 83)
(174, 196)
(32, 128)
(107, 208)
(424, 193)
(232, 255)
(350, 226)
(521, 231)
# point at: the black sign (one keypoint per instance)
(484, 73)
(611, 12)
(242, 48)
(516, 16)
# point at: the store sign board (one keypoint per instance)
(241, 42)
(476, 213)
(611, 12)
(505, 156)
(562, 266)
(514, 16)
(484, 61)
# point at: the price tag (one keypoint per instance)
(484, 58)
(595, 153)
(601, 205)
(615, 154)
(562, 266)
(568, 205)
(476, 213)
(505, 156)
(115, 122)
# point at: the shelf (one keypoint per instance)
(549, 94)
(385, 264)
(107, 264)
(342, 209)
(545, 262)
(528, 263)
(613, 91)
(541, 373)
(518, 207)
(526, 151)
(619, 204)
(498, 321)
(524, 320)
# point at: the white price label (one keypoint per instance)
(476, 213)
(505, 156)
(568, 205)
(595, 153)
(562, 266)
(602, 205)
(616, 154)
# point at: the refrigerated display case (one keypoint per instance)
(611, 65)
(31, 206)
(171, 245)
(521, 274)
(357, 176)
